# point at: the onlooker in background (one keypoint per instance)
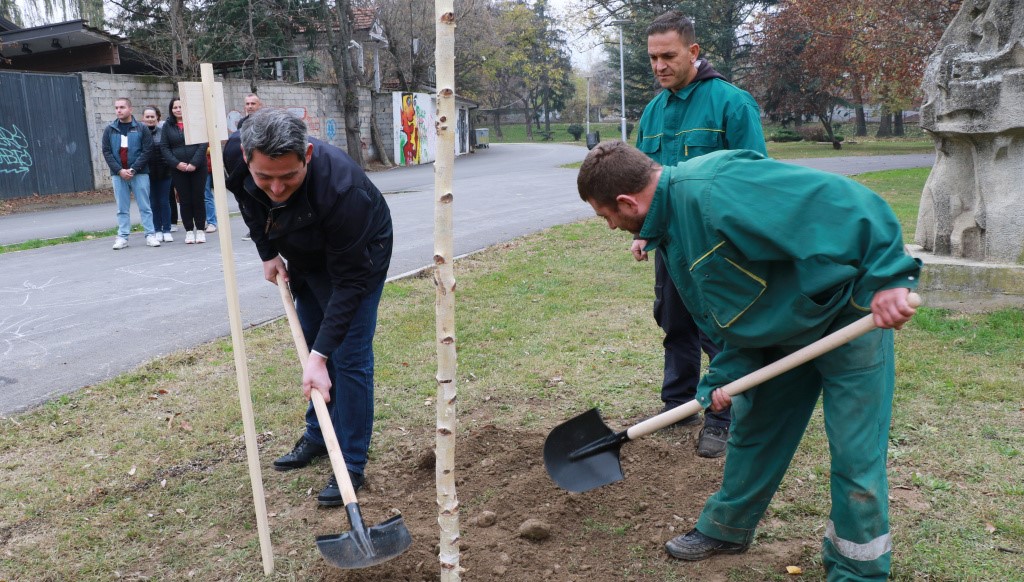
(129, 171)
(698, 112)
(188, 173)
(159, 177)
(252, 105)
(211, 208)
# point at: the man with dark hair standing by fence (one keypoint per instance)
(127, 145)
(698, 112)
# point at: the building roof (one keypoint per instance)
(66, 47)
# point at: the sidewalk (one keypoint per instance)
(20, 227)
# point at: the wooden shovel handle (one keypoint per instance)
(776, 368)
(348, 494)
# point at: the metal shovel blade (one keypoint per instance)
(362, 547)
(582, 453)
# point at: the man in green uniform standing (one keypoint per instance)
(770, 257)
(697, 113)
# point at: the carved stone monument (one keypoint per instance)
(972, 206)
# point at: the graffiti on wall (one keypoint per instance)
(14, 155)
(415, 135)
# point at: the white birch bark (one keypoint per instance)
(444, 283)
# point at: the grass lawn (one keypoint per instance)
(143, 476)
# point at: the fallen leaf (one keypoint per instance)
(131, 472)
(181, 511)
(161, 391)
(163, 483)
(990, 528)
(153, 397)
(794, 570)
(185, 426)
(272, 514)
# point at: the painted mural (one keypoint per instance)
(415, 134)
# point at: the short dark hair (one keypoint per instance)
(274, 133)
(674, 21)
(125, 99)
(155, 110)
(613, 168)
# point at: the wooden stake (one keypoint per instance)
(444, 283)
(214, 131)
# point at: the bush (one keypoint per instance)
(784, 135)
(575, 130)
(816, 133)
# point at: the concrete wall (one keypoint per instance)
(316, 104)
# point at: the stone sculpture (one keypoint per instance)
(972, 206)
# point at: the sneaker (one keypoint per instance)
(168, 237)
(711, 441)
(330, 496)
(688, 421)
(200, 237)
(248, 236)
(190, 238)
(174, 228)
(697, 546)
(211, 228)
(120, 243)
(301, 455)
(152, 240)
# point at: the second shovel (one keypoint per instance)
(363, 546)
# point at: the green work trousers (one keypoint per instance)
(857, 382)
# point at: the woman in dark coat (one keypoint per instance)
(188, 173)
(159, 177)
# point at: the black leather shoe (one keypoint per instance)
(688, 421)
(711, 441)
(330, 496)
(302, 455)
(697, 546)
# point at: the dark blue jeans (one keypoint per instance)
(683, 343)
(350, 367)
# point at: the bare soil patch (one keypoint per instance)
(36, 202)
(600, 536)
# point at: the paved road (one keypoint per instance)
(76, 314)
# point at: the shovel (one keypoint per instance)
(583, 453)
(362, 547)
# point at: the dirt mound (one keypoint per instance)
(517, 525)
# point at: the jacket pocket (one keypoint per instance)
(650, 145)
(727, 288)
(697, 142)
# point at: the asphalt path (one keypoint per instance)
(73, 315)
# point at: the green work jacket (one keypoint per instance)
(765, 253)
(702, 117)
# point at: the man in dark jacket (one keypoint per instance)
(127, 146)
(316, 218)
(698, 112)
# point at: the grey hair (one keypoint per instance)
(274, 133)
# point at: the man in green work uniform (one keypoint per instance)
(771, 257)
(697, 113)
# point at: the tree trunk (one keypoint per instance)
(378, 141)
(529, 119)
(180, 40)
(444, 284)
(897, 123)
(497, 123)
(352, 130)
(347, 98)
(884, 123)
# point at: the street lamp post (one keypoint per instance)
(622, 75)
